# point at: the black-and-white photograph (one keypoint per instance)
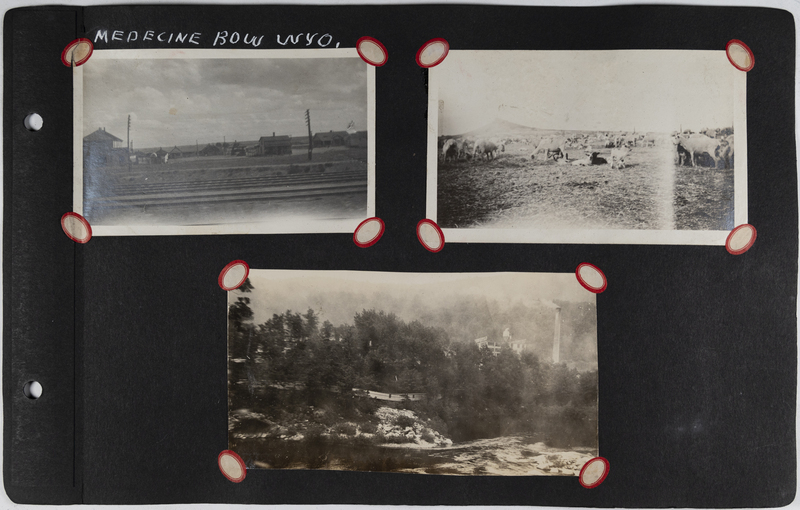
(587, 146)
(430, 373)
(224, 141)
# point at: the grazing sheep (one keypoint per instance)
(551, 147)
(681, 156)
(726, 151)
(699, 144)
(464, 146)
(618, 156)
(486, 148)
(450, 148)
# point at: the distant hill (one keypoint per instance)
(500, 128)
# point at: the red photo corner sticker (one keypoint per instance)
(372, 51)
(740, 55)
(76, 227)
(433, 52)
(740, 239)
(233, 275)
(232, 466)
(591, 278)
(78, 51)
(430, 235)
(368, 232)
(594, 472)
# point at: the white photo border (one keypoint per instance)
(295, 227)
(579, 236)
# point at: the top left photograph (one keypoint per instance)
(199, 141)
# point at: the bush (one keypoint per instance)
(367, 405)
(325, 417)
(347, 429)
(314, 433)
(401, 439)
(368, 428)
(404, 421)
(428, 436)
(438, 425)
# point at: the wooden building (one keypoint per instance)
(211, 150)
(101, 148)
(330, 139)
(274, 145)
(162, 155)
(357, 139)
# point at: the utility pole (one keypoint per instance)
(128, 154)
(308, 123)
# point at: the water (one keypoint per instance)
(514, 455)
(507, 456)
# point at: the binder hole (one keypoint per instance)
(32, 390)
(33, 122)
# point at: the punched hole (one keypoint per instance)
(32, 390)
(33, 122)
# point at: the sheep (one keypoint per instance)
(486, 148)
(463, 147)
(450, 148)
(590, 159)
(618, 156)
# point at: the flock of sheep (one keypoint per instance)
(689, 147)
(462, 148)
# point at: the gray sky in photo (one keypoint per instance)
(275, 291)
(178, 101)
(655, 90)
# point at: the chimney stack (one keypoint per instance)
(557, 337)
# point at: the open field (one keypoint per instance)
(225, 189)
(651, 192)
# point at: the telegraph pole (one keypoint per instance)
(128, 153)
(308, 123)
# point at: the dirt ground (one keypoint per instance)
(651, 192)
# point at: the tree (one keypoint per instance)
(311, 321)
(240, 312)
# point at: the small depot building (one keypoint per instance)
(274, 145)
(330, 139)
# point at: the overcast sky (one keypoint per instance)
(275, 291)
(654, 90)
(178, 101)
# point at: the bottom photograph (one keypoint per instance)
(437, 373)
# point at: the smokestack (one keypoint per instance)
(557, 336)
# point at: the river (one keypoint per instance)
(507, 456)
(511, 455)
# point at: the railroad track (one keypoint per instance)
(305, 185)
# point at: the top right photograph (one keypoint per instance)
(613, 147)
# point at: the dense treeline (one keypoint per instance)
(291, 361)
(467, 317)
